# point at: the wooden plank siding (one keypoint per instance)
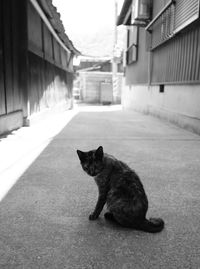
(57, 54)
(16, 43)
(2, 86)
(7, 44)
(49, 82)
(35, 41)
(10, 96)
(47, 44)
(48, 85)
(34, 70)
(178, 60)
(36, 82)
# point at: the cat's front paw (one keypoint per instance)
(93, 216)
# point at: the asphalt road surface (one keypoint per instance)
(44, 215)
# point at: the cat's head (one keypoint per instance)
(92, 161)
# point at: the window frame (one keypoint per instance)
(132, 45)
(163, 26)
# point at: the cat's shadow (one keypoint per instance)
(102, 223)
(113, 228)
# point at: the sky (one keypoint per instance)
(84, 19)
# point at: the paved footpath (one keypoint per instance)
(44, 213)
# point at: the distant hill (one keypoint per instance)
(89, 24)
(97, 44)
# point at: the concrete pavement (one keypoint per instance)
(44, 216)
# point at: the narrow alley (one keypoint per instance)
(44, 216)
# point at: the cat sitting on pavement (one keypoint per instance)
(121, 189)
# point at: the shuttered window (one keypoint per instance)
(175, 16)
(132, 45)
(187, 11)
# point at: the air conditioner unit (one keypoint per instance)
(140, 14)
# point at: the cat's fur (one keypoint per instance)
(121, 189)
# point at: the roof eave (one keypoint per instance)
(124, 10)
(54, 18)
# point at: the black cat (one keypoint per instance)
(121, 189)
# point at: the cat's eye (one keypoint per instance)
(85, 167)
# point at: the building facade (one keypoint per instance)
(162, 59)
(36, 70)
(95, 80)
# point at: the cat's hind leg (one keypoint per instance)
(116, 219)
(109, 216)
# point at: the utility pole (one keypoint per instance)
(115, 26)
(114, 63)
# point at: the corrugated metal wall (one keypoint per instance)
(178, 60)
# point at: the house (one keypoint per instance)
(36, 70)
(162, 59)
(95, 80)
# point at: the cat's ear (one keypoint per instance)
(81, 155)
(99, 153)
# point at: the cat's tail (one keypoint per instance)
(153, 225)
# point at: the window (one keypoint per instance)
(187, 11)
(140, 12)
(135, 12)
(175, 16)
(161, 88)
(132, 44)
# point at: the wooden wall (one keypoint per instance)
(2, 86)
(49, 74)
(49, 85)
(10, 94)
(36, 72)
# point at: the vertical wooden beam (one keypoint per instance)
(2, 74)
(8, 55)
(16, 43)
(23, 53)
